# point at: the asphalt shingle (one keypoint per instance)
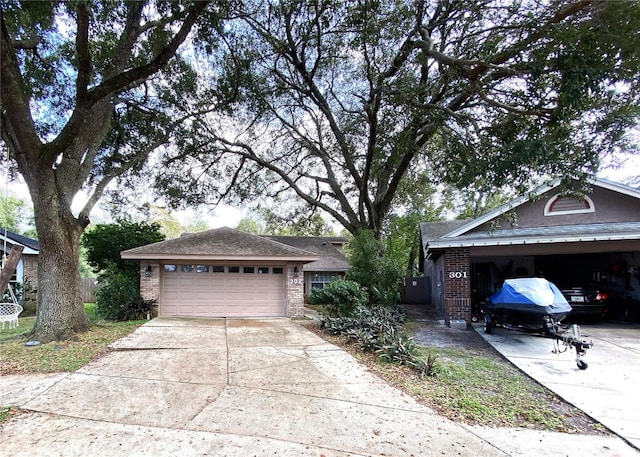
(219, 242)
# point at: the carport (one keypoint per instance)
(590, 240)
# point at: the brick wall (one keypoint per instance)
(295, 290)
(30, 265)
(457, 285)
(150, 286)
(30, 275)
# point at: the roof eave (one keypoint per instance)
(617, 187)
(228, 258)
(502, 209)
(332, 269)
(27, 249)
(443, 244)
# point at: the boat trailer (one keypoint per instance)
(566, 338)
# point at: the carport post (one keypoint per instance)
(457, 285)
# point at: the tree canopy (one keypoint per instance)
(16, 215)
(104, 242)
(89, 90)
(331, 102)
(337, 100)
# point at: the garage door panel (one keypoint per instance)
(209, 294)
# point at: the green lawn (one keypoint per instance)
(58, 356)
(476, 388)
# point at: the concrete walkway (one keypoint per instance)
(608, 390)
(241, 387)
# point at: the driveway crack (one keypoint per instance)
(226, 341)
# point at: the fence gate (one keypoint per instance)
(89, 288)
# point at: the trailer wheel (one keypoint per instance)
(583, 365)
(488, 325)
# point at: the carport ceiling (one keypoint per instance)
(583, 247)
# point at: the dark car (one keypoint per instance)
(586, 304)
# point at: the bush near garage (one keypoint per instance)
(375, 268)
(379, 329)
(340, 298)
(119, 297)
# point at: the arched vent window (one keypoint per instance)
(559, 205)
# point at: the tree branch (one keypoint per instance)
(82, 49)
(124, 80)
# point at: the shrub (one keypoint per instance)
(340, 297)
(119, 297)
(138, 309)
(379, 271)
(379, 329)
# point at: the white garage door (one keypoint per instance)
(222, 291)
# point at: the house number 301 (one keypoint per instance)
(457, 274)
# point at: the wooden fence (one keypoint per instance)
(89, 288)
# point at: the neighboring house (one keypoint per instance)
(331, 263)
(222, 273)
(592, 241)
(27, 269)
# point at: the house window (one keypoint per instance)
(170, 268)
(234, 269)
(217, 269)
(277, 270)
(322, 278)
(202, 269)
(263, 270)
(560, 205)
(249, 270)
(186, 268)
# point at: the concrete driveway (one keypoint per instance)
(608, 390)
(241, 387)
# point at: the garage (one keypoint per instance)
(210, 290)
(222, 273)
(590, 241)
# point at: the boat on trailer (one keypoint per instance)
(535, 305)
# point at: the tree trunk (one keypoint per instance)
(10, 267)
(60, 313)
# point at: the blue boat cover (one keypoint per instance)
(529, 291)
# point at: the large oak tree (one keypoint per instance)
(89, 89)
(340, 98)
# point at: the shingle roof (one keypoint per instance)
(330, 257)
(434, 230)
(20, 239)
(219, 244)
(554, 234)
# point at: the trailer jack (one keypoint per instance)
(571, 338)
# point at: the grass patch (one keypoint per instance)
(58, 356)
(478, 389)
(25, 326)
(488, 391)
(5, 413)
